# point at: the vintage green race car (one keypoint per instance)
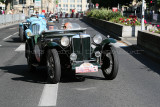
(73, 50)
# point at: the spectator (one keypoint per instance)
(0, 12)
(3, 12)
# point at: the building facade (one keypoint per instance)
(68, 5)
(31, 6)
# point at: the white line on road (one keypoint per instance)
(10, 36)
(49, 95)
(21, 48)
(0, 45)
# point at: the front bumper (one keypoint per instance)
(79, 63)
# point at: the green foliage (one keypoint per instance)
(126, 21)
(111, 3)
(103, 13)
(2, 1)
(116, 17)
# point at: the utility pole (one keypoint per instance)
(142, 17)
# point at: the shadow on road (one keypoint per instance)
(14, 40)
(22, 74)
(148, 62)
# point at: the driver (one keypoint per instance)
(67, 26)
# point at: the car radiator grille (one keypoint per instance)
(82, 47)
(35, 29)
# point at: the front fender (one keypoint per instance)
(21, 25)
(54, 45)
(108, 40)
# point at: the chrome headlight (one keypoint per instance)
(29, 34)
(65, 41)
(97, 39)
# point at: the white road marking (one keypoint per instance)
(84, 89)
(0, 45)
(13, 28)
(21, 48)
(118, 45)
(49, 95)
(15, 33)
(10, 36)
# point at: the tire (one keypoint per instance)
(53, 66)
(110, 63)
(21, 34)
(30, 59)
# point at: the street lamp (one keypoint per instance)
(135, 8)
(142, 17)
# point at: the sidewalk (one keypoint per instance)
(7, 25)
(132, 42)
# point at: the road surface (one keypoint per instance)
(136, 85)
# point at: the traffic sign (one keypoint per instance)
(97, 5)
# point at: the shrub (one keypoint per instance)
(103, 13)
(116, 17)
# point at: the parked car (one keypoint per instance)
(34, 25)
(73, 50)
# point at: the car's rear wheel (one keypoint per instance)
(53, 66)
(21, 34)
(110, 63)
(30, 59)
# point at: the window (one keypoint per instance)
(65, 1)
(70, 5)
(64, 5)
(79, 1)
(22, 1)
(59, 5)
(72, 1)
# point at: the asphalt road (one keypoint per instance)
(136, 85)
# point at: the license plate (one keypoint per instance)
(86, 68)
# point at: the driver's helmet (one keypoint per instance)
(68, 26)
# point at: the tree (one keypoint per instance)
(111, 3)
(7, 4)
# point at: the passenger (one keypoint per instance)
(67, 26)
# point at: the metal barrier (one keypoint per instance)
(9, 18)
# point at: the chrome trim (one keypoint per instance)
(35, 29)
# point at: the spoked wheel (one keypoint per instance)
(110, 63)
(53, 66)
(30, 59)
(21, 34)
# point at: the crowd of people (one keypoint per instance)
(2, 12)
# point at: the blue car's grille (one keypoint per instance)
(35, 29)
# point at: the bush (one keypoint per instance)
(116, 17)
(103, 13)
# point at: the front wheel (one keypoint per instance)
(110, 63)
(30, 59)
(53, 66)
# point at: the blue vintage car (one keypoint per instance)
(32, 26)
